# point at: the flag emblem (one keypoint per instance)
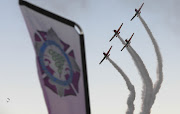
(59, 69)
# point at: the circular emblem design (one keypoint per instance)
(57, 64)
(58, 56)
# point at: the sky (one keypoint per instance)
(108, 90)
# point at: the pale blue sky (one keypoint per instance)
(108, 91)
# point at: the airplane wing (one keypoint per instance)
(119, 27)
(141, 6)
(102, 60)
(124, 47)
(109, 50)
(133, 17)
(131, 37)
(113, 37)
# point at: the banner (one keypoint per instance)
(61, 62)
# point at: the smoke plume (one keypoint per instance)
(147, 82)
(159, 71)
(131, 98)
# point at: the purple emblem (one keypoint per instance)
(58, 66)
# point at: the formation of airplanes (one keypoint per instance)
(117, 32)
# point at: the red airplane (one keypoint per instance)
(127, 42)
(137, 12)
(116, 32)
(105, 55)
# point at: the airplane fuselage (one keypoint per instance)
(116, 33)
(127, 42)
(137, 12)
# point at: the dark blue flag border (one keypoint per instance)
(83, 54)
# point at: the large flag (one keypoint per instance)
(61, 62)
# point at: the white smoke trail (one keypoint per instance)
(147, 82)
(131, 98)
(159, 71)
